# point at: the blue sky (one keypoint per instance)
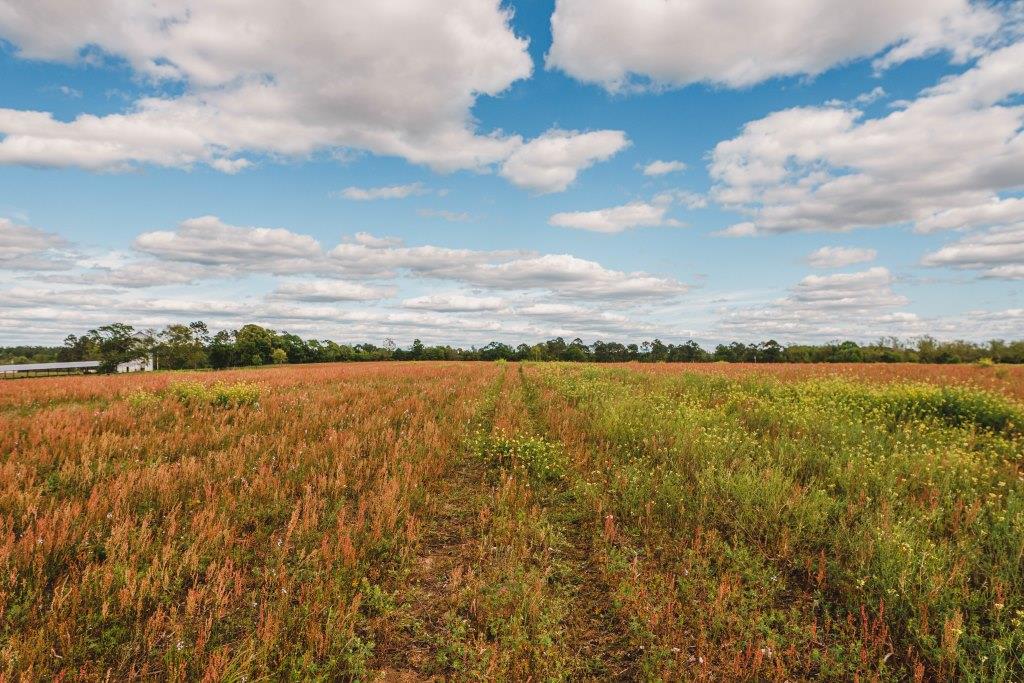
(462, 171)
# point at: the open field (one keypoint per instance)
(499, 521)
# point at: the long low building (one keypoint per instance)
(49, 368)
(142, 364)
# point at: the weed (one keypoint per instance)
(218, 394)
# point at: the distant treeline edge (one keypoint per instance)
(188, 346)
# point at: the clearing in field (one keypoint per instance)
(513, 522)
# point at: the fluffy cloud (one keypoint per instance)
(624, 44)
(866, 290)
(993, 212)
(821, 307)
(551, 162)
(395, 79)
(997, 253)
(876, 93)
(571, 314)
(26, 248)
(373, 259)
(209, 241)
(25, 297)
(20, 240)
(617, 218)
(455, 302)
(206, 248)
(744, 229)
(561, 274)
(142, 273)
(363, 194)
(638, 214)
(330, 290)
(656, 168)
(291, 82)
(573, 277)
(445, 214)
(839, 257)
(942, 161)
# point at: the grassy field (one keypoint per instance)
(492, 521)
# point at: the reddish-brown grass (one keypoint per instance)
(166, 540)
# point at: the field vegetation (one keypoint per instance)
(514, 521)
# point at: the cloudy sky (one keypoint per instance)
(470, 170)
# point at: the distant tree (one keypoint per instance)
(279, 356)
(115, 344)
(771, 351)
(254, 345)
(79, 348)
(221, 351)
(496, 350)
(183, 346)
(927, 349)
(554, 348)
(690, 352)
(576, 351)
(848, 352)
(296, 350)
(659, 351)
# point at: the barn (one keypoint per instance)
(143, 364)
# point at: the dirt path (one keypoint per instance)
(447, 551)
(504, 584)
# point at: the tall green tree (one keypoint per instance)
(254, 345)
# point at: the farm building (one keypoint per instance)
(28, 369)
(143, 364)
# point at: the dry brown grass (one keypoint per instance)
(157, 539)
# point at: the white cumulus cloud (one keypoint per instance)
(329, 290)
(997, 253)
(839, 257)
(363, 194)
(23, 247)
(392, 78)
(656, 168)
(455, 303)
(627, 44)
(551, 162)
(617, 218)
(209, 241)
(945, 160)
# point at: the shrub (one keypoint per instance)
(542, 460)
(218, 394)
(141, 399)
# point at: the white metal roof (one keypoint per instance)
(25, 367)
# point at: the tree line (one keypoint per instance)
(192, 346)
